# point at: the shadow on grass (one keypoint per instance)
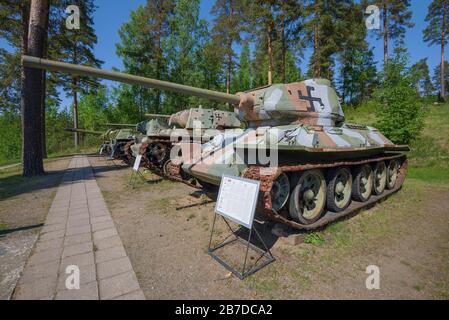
(12, 184)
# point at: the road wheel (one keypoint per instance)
(280, 192)
(362, 183)
(379, 177)
(308, 198)
(339, 189)
(392, 173)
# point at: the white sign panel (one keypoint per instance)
(137, 162)
(237, 199)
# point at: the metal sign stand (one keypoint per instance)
(248, 224)
(136, 172)
(269, 258)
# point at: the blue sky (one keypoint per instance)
(111, 14)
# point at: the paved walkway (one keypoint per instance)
(79, 231)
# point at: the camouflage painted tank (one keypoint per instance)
(313, 167)
(162, 134)
(114, 140)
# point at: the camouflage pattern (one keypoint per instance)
(292, 119)
(181, 125)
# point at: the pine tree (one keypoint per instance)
(396, 17)
(243, 76)
(183, 46)
(228, 24)
(76, 46)
(142, 52)
(437, 33)
(437, 79)
(261, 15)
(324, 30)
(357, 66)
(31, 88)
(420, 72)
(290, 42)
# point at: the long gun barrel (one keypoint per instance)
(34, 62)
(120, 125)
(83, 131)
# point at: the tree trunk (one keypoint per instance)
(316, 46)
(44, 86)
(32, 92)
(443, 36)
(284, 52)
(25, 13)
(385, 8)
(270, 55)
(75, 113)
(229, 67)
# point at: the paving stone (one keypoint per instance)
(49, 244)
(119, 285)
(76, 249)
(79, 260)
(99, 235)
(102, 225)
(52, 235)
(42, 289)
(34, 273)
(94, 220)
(136, 295)
(45, 256)
(78, 230)
(78, 212)
(106, 243)
(55, 220)
(98, 213)
(81, 216)
(110, 254)
(87, 275)
(53, 227)
(79, 238)
(113, 267)
(78, 223)
(86, 292)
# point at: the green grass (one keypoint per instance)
(314, 238)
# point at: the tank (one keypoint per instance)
(314, 167)
(163, 132)
(114, 140)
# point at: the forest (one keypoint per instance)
(246, 44)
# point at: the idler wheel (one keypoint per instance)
(362, 186)
(379, 177)
(339, 189)
(392, 173)
(280, 192)
(308, 197)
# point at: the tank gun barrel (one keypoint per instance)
(39, 63)
(156, 116)
(83, 131)
(121, 125)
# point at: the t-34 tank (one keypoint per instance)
(114, 140)
(313, 167)
(163, 132)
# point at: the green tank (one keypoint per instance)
(314, 167)
(114, 140)
(163, 132)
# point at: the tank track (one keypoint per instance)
(129, 158)
(327, 217)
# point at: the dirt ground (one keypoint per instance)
(24, 204)
(406, 236)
